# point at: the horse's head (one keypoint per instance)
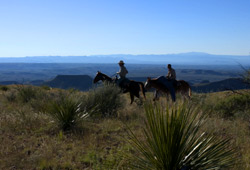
(99, 76)
(148, 84)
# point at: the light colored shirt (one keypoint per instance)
(171, 74)
(122, 72)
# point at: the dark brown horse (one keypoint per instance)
(182, 87)
(133, 87)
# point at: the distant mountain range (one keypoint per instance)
(192, 58)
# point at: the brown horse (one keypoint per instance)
(133, 87)
(182, 87)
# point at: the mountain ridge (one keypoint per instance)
(190, 58)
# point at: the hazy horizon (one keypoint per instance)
(192, 52)
(182, 58)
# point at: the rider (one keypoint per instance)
(171, 73)
(171, 76)
(169, 82)
(122, 74)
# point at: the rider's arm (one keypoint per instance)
(168, 75)
(173, 74)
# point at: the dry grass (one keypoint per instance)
(31, 140)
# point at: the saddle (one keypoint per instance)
(169, 84)
(122, 83)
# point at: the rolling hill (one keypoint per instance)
(227, 84)
(80, 82)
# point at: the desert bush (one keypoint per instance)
(66, 112)
(233, 104)
(11, 95)
(73, 90)
(105, 100)
(27, 119)
(174, 141)
(4, 88)
(45, 87)
(26, 93)
(42, 99)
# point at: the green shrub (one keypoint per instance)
(42, 99)
(45, 87)
(26, 93)
(4, 88)
(174, 141)
(11, 95)
(66, 112)
(27, 119)
(233, 104)
(72, 90)
(105, 100)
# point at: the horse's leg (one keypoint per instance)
(131, 97)
(188, 96)
(125, 90)
(137, 94)
(142, 89)
(183, 94)
(156, 95)
(135, 91)
(189, 91)
(186, 93)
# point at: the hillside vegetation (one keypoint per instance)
(44, 128)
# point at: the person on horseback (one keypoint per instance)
(122, 81)
(169, 82)
(171, 76)
(171, 73)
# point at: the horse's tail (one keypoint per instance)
(142, 89)
(189, 91)
(186, 88)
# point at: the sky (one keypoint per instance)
(95, 27)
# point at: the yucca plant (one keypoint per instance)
(66, 112)
(174, 141)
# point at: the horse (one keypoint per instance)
(133, 87)
(182, 87)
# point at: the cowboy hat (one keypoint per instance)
(121, 62)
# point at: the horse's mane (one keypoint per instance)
(107, 77)
(104, 75)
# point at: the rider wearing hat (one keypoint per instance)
(169, 82)
(171, 73)
(122, 74)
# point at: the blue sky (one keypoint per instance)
(90, 27)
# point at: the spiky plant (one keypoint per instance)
(66, 112)
(174, 141)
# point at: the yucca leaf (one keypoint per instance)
(174, 141)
